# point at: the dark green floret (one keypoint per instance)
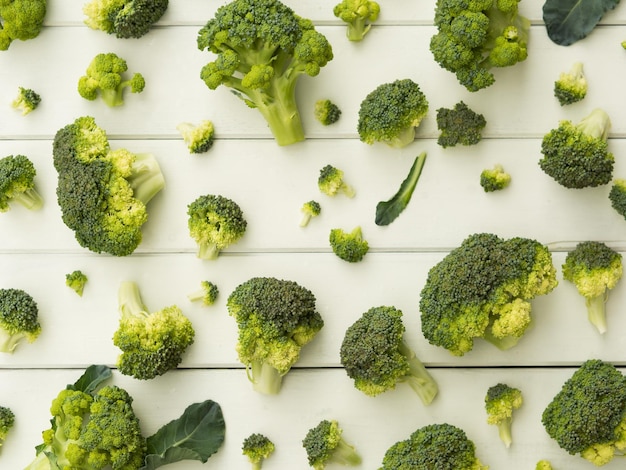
(331, 182)
(326, 112)
(617, 196)
(324, 445)
(257, 447)
(76, 281)
(494, 179)
(199, 137)
(358, 15)
(207, 294)
(349, 246)
(26, 100)
(19, 319)
(309, 210)
(571, 86)
(459, 126)
(17, 183)
(501, 401)
(124, 18)
(20, 19)
(7, 421)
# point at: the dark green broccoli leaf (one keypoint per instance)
(568, 21)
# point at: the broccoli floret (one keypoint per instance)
(276, 318)
(152, 343)
(594, 269)
(7, 421)
(20, 19)
(19, 319)
(17, 183)
(324, 444)
(483, 289)
(500, 402)
(473, 37)
(348, 246)
(309, 210)
(617, 196)
(494, 179)
(257, 447)
(358, 16)
(215, 222)
(459, 125)
(571, 86)
(105, 78)
(26, 100)
(124, 18)
(331, 182)
(440, 446)
(326, 112)
(199, 137)
(577, 155)
(587, 417)
(207, 293)
(103, 193)
(262, 49)
(391, 113)
(76, 281)
(543, 465)
(376, 356)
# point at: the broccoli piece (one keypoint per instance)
(275, 318)
(326, 112)
(152, 343)
(17, 183)
(376, 356)
(103, 193)
(500, 402)
(474, 37)
(391, 113)
(26, 100)
(324, 444)
(358, 16)
(105, 78)
(544, 465)
(331, 182)
(257, 448)
(617, 196)
(483, 289)
(594, 269)
(577, 155)
(494, 179)
(198, 137)
(439, 445)
(459, 125)
(587, 417)
(571, 86)
(262, 49)
(349, 246)
(215, 222)
(309, 210)
(7, 421)
(20, 19)
(207, 293)
(124, 18)
(19, 319)
(76, 281)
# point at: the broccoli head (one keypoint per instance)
(331, 182)
(483, 289)
(151, 343)
(500, 402)
(275, 318)
(617, 196)
(358, 15)
(207, 293)
(326, 112)
(19, 319)
(124, 18)
(309, 210)
(7, 421)
(494, 179)
(594, 269)
(587, 417)
(324, 444)
(26, 100)
(199, 137)
(577, 155)
(459, 125)
(391, 113)
(257, 447)
(20, 19)
(375, 355)
(215, 222)
(348, 246)
(17, 183)
(571, 86)
(262, 48)
(103, 193)
(76, 281)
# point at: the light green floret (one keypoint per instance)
(19, 319)
(494, 179)
(26, 100)
(76, 281)
(331, 182)
(349, 246)
(257, 448)
(571, 86)
(7, 421)
(207, 293)
(21, 19)
(500, 402)
(324, 445)
(326, 112)
(199, 137)
(359, 15)
(309, 210)
(543, 465)
(17, 183)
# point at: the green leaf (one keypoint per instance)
(388, 211)
(568, 21)
(93, 376)
(196, 435)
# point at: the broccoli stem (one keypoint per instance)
(345, 454)
(40, 462)
(113, 97)
(504, 431)
(596, 312)
(30, 199)
(265, 378)
(146, 178)
(418, 378)
(404, 138)
(8, 341)
(130, 301)
(357, 29)
(208, 250)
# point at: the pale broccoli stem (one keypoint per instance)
(596, 311)
(146, 179)
(265, 378)
(418, 378)
(130, 301)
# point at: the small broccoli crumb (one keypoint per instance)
(207, 293)
(327, 112)
(257, 447)
(459, 125)
(349, 246)
(26, 100)
(571, 86)
(494, 179)
(309, 210)
(76, 281)
(199, 138)
(331, 182)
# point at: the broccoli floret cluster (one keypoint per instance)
(76, 281)
(324, 445)
(459, 125)
(20, 19)
(326, 112)
(348, 246)
(309, 210)
(199, 137)
(7, 421)
(571, 86)
(26, 100)
(500, 402)
(19, 319)
(617, 196)
(258, 448)
(17, 183)
(358, 15)
(331, 181)
(494, 179)
(207, 294)
(124, 18)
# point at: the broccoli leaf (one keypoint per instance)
(93, 376)
(196, 435)
(388, 211)
(568, 21)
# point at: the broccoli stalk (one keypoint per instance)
(418, 377)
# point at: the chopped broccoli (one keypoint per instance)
(215, 222)
(439, 445)
(359, 15)
(20, 19)
(199, 138)
(324, 444)
(376, 356)
(349, 246)
(500, 402)
(207, 293)
(326, 112)
(571, 86)
(494, 179)
(7, 421)
(587, 417)
(124, 18)
(76, 281)
(26, 100)
(483, 289)
(309, 210)
(262, 48)
(473, 37)
(391, 113)
(594, 268)
(257, 447)
(459, 125)
(19, 319)
(331, 182)
(17, 183)
(543, 465)
(577, 155)
(105, 78)
(152, 343)
(276, 318)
